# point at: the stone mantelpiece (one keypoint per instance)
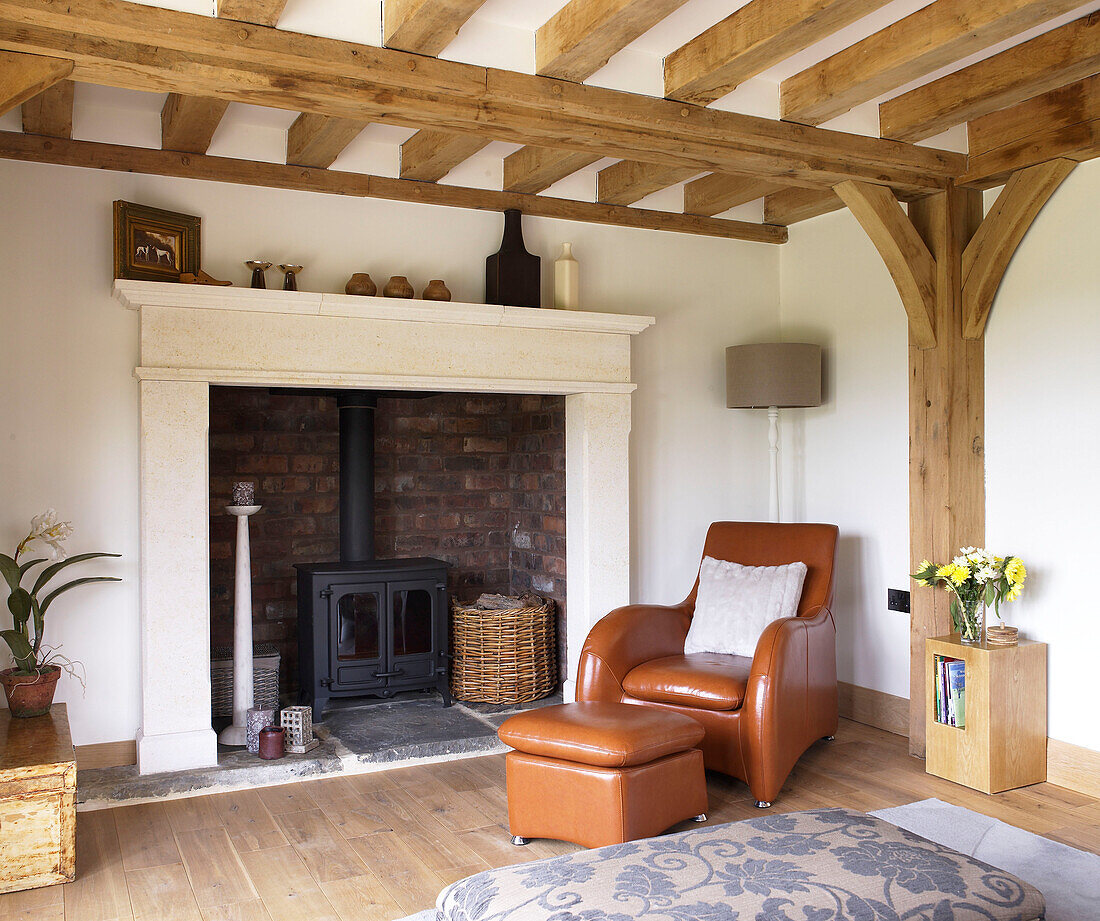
(194, 336)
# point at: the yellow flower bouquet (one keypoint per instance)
(977, 579)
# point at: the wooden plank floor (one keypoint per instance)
(381, 846)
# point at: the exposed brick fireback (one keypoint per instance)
(476, 480)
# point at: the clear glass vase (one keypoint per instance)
(972, 624)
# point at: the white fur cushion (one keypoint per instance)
(735, 603)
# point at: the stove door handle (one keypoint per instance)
(396, 673)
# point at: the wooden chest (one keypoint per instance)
(37, 801)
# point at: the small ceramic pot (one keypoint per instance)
(30, 695)
(398, 286)
(362, 284)
(436, 291)
(272, 742)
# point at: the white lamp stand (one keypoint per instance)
(773, 450)
(236, 732)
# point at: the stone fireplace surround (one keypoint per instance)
(196, 336)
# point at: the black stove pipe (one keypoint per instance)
(356, 475)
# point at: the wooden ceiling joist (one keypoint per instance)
(430, 155)
(906, 255)
(934, 36)
(259, 12)
(533, 169)
(759, 35)
(573, 45)
(88, 154)
(793, 205)
(51, 111)
(1053, 59)
(314, 140)
(24, 76)
(198, 55)
(583, 35)
(990, 249)
(628, 181)
(188, 123)
(1064, 123)
(424, 26)
(717, 192)
(427, 27)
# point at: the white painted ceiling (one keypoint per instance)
(502, 34)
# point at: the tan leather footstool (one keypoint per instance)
(602, 773)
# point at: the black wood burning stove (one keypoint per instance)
(366, 626)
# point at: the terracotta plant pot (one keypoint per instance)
(30, 695)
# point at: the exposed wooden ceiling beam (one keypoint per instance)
(573, 44)
(793, 205)
(24, 76)
(304, 73)
(1064, 123)
(51, 111)
(532, 169)
(584, 34)
(717, 192)
(906, 255)
(316, 140)
(628, 181)
(934, 36)
(15, 146)
(430, 155)
(260, 12)
(188, 123)
(1044, 63)
(749, 41)
(424, 26)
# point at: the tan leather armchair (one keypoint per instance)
(759, 714)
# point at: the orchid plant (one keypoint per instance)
(974, 577)
(27, 608)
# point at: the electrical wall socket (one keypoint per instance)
(897, 599)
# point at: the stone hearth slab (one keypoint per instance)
(356, 737)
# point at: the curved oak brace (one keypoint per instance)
(24, 76)
(987, 255)
(907, 257)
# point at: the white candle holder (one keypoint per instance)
(237, 732)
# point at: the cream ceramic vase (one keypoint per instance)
(566, 279)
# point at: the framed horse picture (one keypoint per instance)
(155, 245)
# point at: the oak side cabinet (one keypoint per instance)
(37, 801)
(1003, 744)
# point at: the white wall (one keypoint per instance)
(69, 414)
(846, 462)
(1042, 438)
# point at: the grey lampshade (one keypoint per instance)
(773, 374)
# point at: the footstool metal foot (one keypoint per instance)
(760, 804)
(519, 841)
(828, 738)
(701, 817)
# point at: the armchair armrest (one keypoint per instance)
(624, 639)
(791, 698)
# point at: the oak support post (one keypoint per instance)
(947, 430)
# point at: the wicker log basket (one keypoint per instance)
(504, 655)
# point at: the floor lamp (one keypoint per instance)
(774, 375)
